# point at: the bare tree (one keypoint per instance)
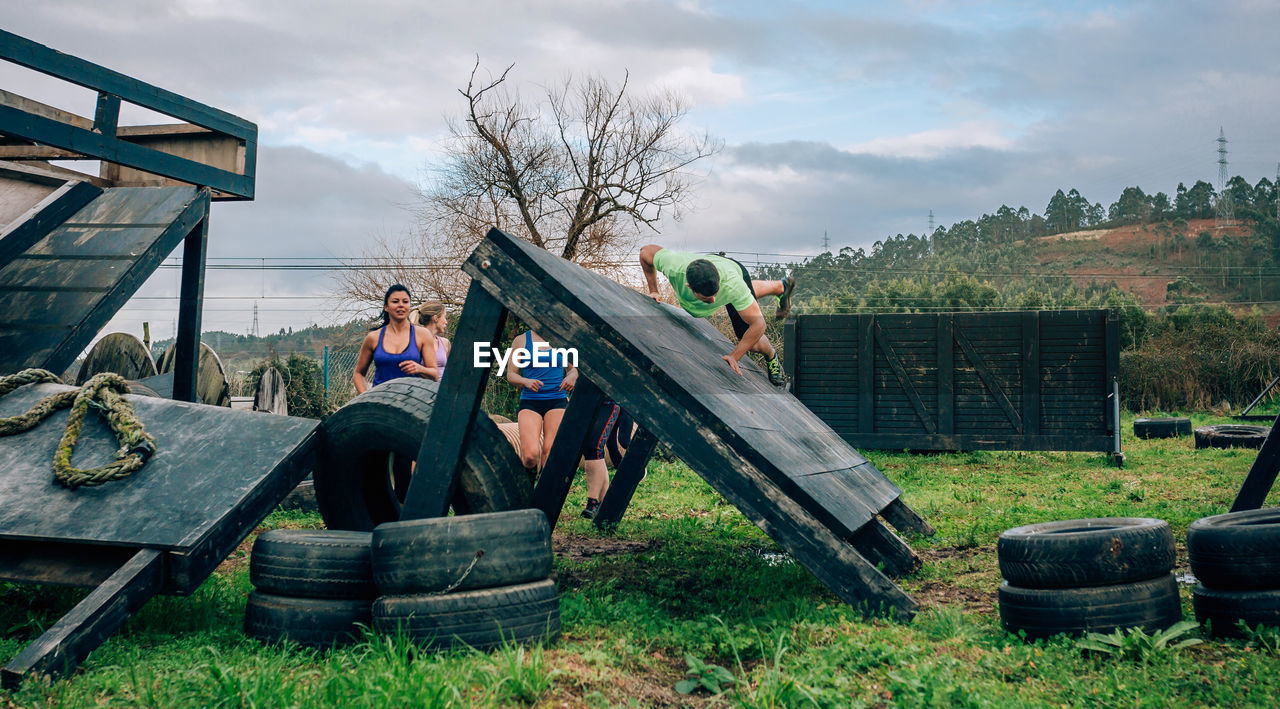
(582, 173)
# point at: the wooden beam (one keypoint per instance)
(27, 105)
(106, 117)
(866, 373)
(1262, 474)
(631, 470)
(443, 451)
(1031, 372)
(989, 380)
(562, 462)
(62, 647)
(906, 520)
(946, 375)
(186, 346)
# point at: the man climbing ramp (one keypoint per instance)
(704, 284)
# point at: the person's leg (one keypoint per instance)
(594, 466)
(765, 288)
(530, 425)
(550, 424)
(762, 346)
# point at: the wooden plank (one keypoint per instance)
(442, 454)
(866, 373)
(992, 385)
(186, 346)
(622, 488)
(24, 231)
(1031, 372)
(1262, 474)
(63, 646)
(566, 450)
(58, 564)
(945, 342)
(1112, 373)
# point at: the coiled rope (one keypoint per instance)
(104, 393)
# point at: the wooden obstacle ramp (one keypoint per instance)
(215, 475)
(755, 444)
(62, 282)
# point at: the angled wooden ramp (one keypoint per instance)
(215, 475)
(756, 444)
(63, 276)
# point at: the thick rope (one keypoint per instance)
(103, 392)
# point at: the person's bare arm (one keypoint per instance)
(513, 373)
(363, 361)
(427, 368)
(755, 330)
(570, 379)
(647, 252)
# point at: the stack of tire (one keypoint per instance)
(1236, 559)
(1088, 575)
(312, 586)
(479, 580)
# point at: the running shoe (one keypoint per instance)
(593, 506)
(784, 300)
(774, 367)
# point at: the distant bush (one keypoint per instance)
(303, 382)
(1198, 358)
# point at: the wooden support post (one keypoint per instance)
(186, 346)
(946, 376)
(1262, 474)
(1031, 373)
(623, 487)
(866, 374)
(791, 348)
(880, 546)
(562, 462)
(106, 117)
(906, 520)
(62, 647)
(444, 447)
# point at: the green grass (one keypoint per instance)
(687, 583)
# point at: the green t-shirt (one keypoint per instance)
(733, 290)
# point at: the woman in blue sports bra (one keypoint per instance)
(396, 348)
(544, 387)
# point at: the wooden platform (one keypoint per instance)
(756, 444)
(216, 474)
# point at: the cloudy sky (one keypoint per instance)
(850, 118)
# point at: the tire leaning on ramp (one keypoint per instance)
(483, 619)
(1222, 609)
(313, 563)
(313, 622)
(1044, 612)
(1231, 435)
(462, 552)
(1170, 427)
(363, 469)
(1236, 551)
(1086, 552)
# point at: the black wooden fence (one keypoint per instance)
(1035, 380)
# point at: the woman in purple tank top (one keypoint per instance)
(433, 317)
(396, 348)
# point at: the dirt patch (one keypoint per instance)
(936, 593)
(652, 685)
(582, 547)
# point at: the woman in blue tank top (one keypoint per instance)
(544, 387)
(396, 348)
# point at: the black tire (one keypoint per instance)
(461, 552)
(313, 563)
(314, 622)
(482, 619)
(1221, 610)
(1086, 552)
(1042, 612)
(1231, 435)
(1236, 551)
(1171, 427)
(363, 470)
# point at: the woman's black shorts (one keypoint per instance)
(542, 406)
